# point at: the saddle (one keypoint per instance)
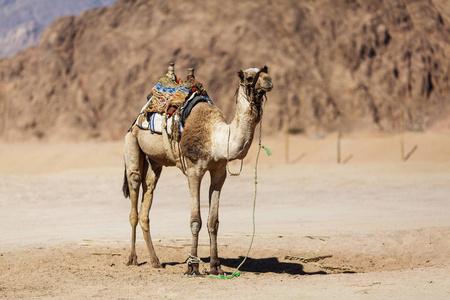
(157, 115)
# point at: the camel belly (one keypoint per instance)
(153, 147)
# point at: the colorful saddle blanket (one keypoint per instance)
(155, 121)
(162, 97)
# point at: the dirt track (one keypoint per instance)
(65, 231)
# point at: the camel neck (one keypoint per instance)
(242, 128)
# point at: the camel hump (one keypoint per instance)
(189, 105)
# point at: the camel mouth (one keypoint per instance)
(266, 86)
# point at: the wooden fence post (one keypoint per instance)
(286, 138)
(339, 145)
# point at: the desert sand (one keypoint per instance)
(382, 223)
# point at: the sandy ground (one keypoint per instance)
(384, 224)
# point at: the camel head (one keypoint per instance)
(257, 79)
(256, 83)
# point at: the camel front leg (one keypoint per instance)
(218, 177)
(152, 176)
(194, 180)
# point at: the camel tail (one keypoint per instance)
(125, 188)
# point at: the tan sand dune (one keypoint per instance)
(65, 230)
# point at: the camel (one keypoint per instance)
(207, 143)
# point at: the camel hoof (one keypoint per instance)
(192, 270)
(216, 271)
(132, 260)
(157, 265)
(193, 273)
(215, 267)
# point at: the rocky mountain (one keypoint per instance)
(379, 64)
(22, 21)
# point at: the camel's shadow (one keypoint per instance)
(267, 265)
(262, 265)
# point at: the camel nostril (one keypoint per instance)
(267, 86)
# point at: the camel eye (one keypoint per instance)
(250, 79)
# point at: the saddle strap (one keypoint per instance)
(172, 155)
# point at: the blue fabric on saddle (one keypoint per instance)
(170, 90)
(161, 97)
(155, 122)
(189, 105)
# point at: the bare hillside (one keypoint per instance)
(357, 64)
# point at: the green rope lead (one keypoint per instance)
(236, 272)
(268, 151)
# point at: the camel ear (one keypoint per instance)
(264, 69)
(241, 75)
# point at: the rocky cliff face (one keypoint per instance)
(354, 64)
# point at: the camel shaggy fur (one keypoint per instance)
(208, 143)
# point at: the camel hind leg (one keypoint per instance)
(134, 167)
(152, 174)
